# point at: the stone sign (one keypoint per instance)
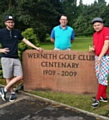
(64, 71)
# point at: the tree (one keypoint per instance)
(105, 15)
(43, 15)
(70, 10)
(102, 2)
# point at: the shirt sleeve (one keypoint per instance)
(106, 34)
(20, 36)
(52, 34)
(72, 35)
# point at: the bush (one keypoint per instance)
(29, 35)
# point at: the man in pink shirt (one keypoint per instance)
(101, 49)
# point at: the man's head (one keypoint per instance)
(9, 21)
(63, 21)
(97, 24)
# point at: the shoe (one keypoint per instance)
(12, 97)
(93, 98)
(95, 104)
(3, 94)
(101, 99)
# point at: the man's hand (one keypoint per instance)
(91, 49)
(5, 50)
(32, 45)
(40, 49)
(98, 62)
(52, 40)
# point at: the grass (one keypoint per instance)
(80, 101)
(79, 44)
(82, 44)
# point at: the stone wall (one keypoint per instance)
(63, 71)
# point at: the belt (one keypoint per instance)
(104, 55)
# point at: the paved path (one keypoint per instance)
(28, 107)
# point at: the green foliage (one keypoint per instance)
(70, 10)
(47, 37)
(43, 15)
(29, 35)
(1, 74)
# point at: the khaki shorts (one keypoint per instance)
(11, 67)
(60, 49)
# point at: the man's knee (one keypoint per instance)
(20, 78)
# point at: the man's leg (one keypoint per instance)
(104, 95)
(10, 67)
(102, 78)
(7, 81)
(9, 86)
(7, 66)
(12, 82)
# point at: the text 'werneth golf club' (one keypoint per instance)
(67, 61)
(61, 56)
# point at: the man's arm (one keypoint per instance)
(104, 49)
(31, 45)
(52, 40)
(72, 41)
(52, 36)
(72, 36)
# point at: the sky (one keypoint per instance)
(89, 1)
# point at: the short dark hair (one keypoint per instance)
(63, 15)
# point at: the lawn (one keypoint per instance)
(82, 44)
(79, 44)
